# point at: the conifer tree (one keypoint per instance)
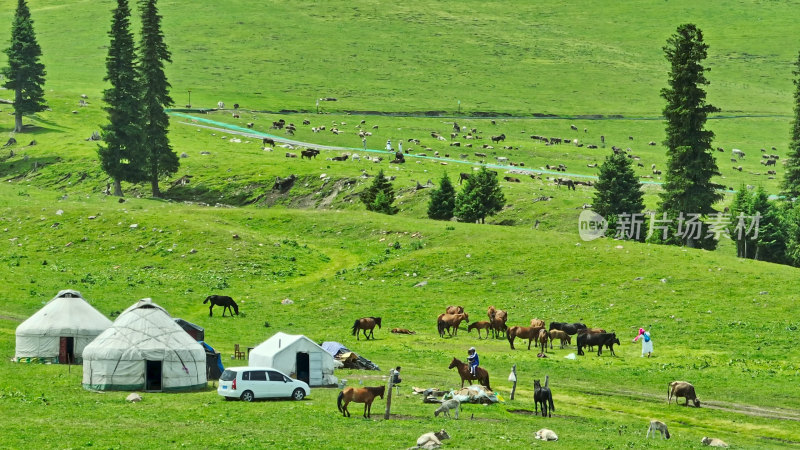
(791, 178)
(25, 73)
(480, 197)
(443, 200)
(618, 191)
(690, 160)
(121, 154)
(380, 195)
(161, 160)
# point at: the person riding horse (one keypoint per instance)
(473, 360)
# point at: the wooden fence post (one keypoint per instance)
(389, 395)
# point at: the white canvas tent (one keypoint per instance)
(144, 349)
(296, 356)
(60, 330)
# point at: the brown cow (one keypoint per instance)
(682, 389)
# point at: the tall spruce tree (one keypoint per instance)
(161, 160)
(121, 155)
(25, 73)
(791, 178)
(443, 200)
(481, 196)
(618, 192)
(380, 195)
(690, 160)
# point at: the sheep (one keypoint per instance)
(546, 435)
(658, 427)
(432, 440)
(447, 406)
(738, 153)
(291, 155)
(713, 442)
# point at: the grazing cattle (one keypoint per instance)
(738, 153)
(455, 144)
(573, 127)
(499, 138)
(652, 143)
(250, 124)
(340, 158)
(713, 442)
(306, 122)
(291, 155)
(567, 182)
(512, 179)
(560, 335)
(598, 339)
(770, 162)
(501, 158)
(771, 172)
(656, 172)
(657, 427)
(221, 105)
(482, 155)
(682, 389)
(464, 176)
(309, 153)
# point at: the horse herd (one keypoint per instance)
(536, 332)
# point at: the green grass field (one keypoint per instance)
(724, 324)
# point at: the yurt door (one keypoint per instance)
(303, 369)
(66, 350)
(153, 376)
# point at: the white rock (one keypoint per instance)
(134, 398)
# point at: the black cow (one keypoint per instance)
(310, 153)
(598, 339)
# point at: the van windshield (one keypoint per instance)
(228, 375)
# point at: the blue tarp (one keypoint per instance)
(211, 349)
(334, 348)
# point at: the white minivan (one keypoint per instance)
(250, 383)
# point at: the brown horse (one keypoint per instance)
(364, 324)
(537, 323)
(484, 325)
(463, 370)
(530, 333)
(542, 338)
(445, 321)
(363, 395)
(498, 319)
(558, 334)
(455, 310)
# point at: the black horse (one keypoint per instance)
(221, 300)
(569, 328)
(542, 396)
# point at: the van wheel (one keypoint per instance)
(248, 396)
(298, 394)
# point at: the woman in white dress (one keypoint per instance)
(647, 343)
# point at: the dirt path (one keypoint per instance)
(739, 408)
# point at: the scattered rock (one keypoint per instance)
(663, 280)
(421, 283)
(134, 225)
(92, 217)
(192, 251)
(287, 301)
(59, 212)
(236, 236)
(619, 246)
(184, 155)
(638, 278)
(763, 293)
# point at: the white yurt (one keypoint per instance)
(296, 356)
(59, 331)
(144, 349)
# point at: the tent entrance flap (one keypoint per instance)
(303, 367)
(66, 350)
(153, 375)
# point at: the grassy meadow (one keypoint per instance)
(724, 324)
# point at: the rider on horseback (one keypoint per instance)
(472, 358)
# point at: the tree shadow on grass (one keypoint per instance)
(16, 169)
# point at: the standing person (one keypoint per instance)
(400, 146)
(364, 142)
(389, 144)
(647, 343)
(472, 358)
